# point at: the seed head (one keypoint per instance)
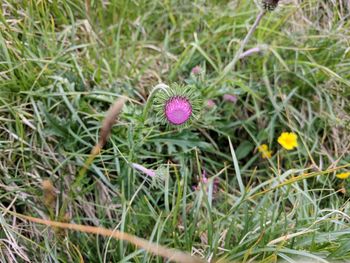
(49, 193)
(270, 5)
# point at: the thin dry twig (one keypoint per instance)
(156, 249)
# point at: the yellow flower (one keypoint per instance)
(343, 175)
(264, 150)
(288, 140)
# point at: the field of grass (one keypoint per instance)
(213, 194)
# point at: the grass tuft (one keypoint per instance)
(65, 159)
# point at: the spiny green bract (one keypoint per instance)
(178, 94)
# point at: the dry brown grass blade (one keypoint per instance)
(111, 116)
(107, 124)
(172, 254)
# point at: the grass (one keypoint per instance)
(64, 63)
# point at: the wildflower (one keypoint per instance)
(343, 175)
(178, 110)
(210, 104)
(264, 150)
(196, 70)
(143, 169)
(288, 140)
(178, 105)
(205, 181)
(230, 98)
(270, 5)
(216, 185)
(204, 177)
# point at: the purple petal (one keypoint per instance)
(178, 110)
(143, 169)
(231, 98)
(196, 70)
(204, 177)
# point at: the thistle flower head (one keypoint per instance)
(230, 98)
(177, 105)
(196, 70)
(210, 104)
(269, 5)
(205, 182)
(154, 177)
(178, 110)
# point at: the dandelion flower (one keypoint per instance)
(177, 105)
(288, 140)
(264, 150)
(343, 175)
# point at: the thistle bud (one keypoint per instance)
(269, 5)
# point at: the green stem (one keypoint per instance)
(160, 86)
(233, 62)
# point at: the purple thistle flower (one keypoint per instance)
(178, 105)
(204, 177)
(270, 5)
(143, 169)
(210, 104)
(230, 98)
(216, 185)
(178, 110)
(196, 70)
(205, 181)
